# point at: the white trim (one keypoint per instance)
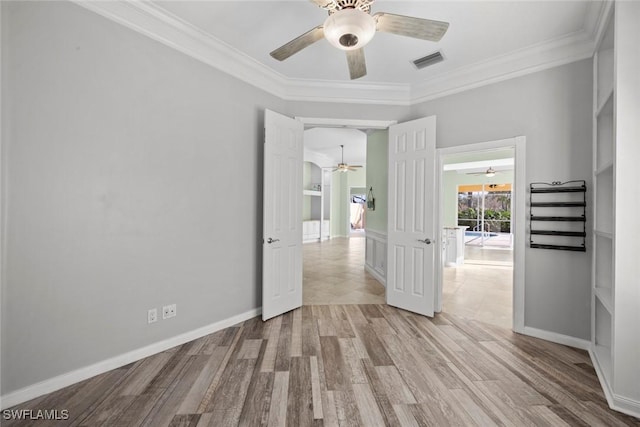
(64, 380)
(539, 57)
(601, 23)
(372, 271)
(378, 236)
(624, 405)
(345, 123)
(161, 25)
(557, 338)
(519, 223)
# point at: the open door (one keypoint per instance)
(282, 215)
(411, 238)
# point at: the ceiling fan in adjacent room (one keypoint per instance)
(350, 26)
(343, 167)
(488, 173)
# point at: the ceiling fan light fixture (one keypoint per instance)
(349, 29)
(490, 173)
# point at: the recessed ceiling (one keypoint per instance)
(479, 31)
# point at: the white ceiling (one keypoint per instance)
(327, 141)
(487, 41)
(479, 31)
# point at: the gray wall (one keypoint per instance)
(552, 109)
(124, 192)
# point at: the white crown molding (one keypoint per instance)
(541, 56)
(160, 25)
(600, 25)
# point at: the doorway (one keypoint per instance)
(357, 211)
(482, 219)
(333, 268)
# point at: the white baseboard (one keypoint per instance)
(376, 275)
(557, 338)
(64, 380)
(615, 401)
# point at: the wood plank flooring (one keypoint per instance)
(345, 365)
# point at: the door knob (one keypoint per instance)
(426, 241)
(270, 240)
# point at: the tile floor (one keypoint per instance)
(334, 274)
(480, 289)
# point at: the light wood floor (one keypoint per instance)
(346, 365)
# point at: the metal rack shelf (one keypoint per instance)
(559, 213)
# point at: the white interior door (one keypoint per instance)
(411, 235)
(282, 215)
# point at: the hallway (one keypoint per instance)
(333, 273)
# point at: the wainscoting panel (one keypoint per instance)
(376, 255)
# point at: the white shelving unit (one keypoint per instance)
(316, 224)
(615, 339)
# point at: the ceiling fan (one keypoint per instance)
(350, 26)
(343, 167)
(488, 173)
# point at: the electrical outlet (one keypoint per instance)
(152, 315)
(169, 311)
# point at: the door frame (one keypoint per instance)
(518, 222)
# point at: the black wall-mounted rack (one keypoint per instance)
(557, 215)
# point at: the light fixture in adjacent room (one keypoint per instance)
(490, 172)
(342, 166)
(349, 29)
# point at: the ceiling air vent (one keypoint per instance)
(430, 59)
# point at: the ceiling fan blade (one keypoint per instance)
(425, 29)
(357, 64)
(299, 43)
(325, 4)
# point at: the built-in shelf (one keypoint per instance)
(604, 214)
(312, 193)
(603, 355)
(604, 103)
(605, 168)
(605, 297)
(604, 135)
(605, 234)
(615, 296)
